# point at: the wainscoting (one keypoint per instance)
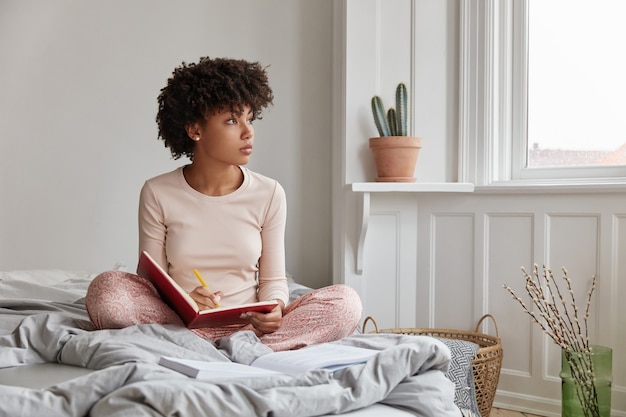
(441, 259)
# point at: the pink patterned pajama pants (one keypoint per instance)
(118, 299)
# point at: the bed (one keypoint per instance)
(53, 363)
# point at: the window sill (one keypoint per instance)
(413, 187)
(600, 185)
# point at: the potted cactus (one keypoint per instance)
(395, 153)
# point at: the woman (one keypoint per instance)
(220, 218)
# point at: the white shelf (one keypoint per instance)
(413, 187)
(365, 188)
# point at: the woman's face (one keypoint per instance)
(226, 137)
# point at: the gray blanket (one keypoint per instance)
(409, 371)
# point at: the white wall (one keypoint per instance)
(78, 87)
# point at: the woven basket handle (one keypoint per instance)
(368, 319)
(492, 319)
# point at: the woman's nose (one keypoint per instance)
(248, 131)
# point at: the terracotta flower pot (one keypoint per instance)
(395, 157)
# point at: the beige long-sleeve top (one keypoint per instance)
(236, 241)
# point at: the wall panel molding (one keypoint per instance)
(464, 247)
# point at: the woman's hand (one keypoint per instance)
(205, 298)
(266, 322)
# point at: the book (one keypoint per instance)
(330, 356)
(214, 371)
(185, 306)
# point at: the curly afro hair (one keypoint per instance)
(197, 90)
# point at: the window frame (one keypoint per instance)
(493, 101)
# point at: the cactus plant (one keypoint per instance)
(395, 152)
(395, 122)
(379, 116)
(402, 110)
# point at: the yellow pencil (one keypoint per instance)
(203, 282)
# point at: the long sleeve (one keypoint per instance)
(272, 277)
(152, 229)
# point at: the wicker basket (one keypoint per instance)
(486, 365)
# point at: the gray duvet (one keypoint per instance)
(409, 371)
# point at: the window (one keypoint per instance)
(576, 83)
(530, 88)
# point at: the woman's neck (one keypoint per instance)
(213, 181)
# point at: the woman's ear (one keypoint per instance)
(193, 131)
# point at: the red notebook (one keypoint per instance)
(186, 307)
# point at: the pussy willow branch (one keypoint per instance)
(555, 319)
(564, 328)
(550, 309)
(572, 336)
(589, 294)
(581, 369)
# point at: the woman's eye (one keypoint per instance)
(231, 121)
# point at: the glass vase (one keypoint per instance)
(586, 379)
